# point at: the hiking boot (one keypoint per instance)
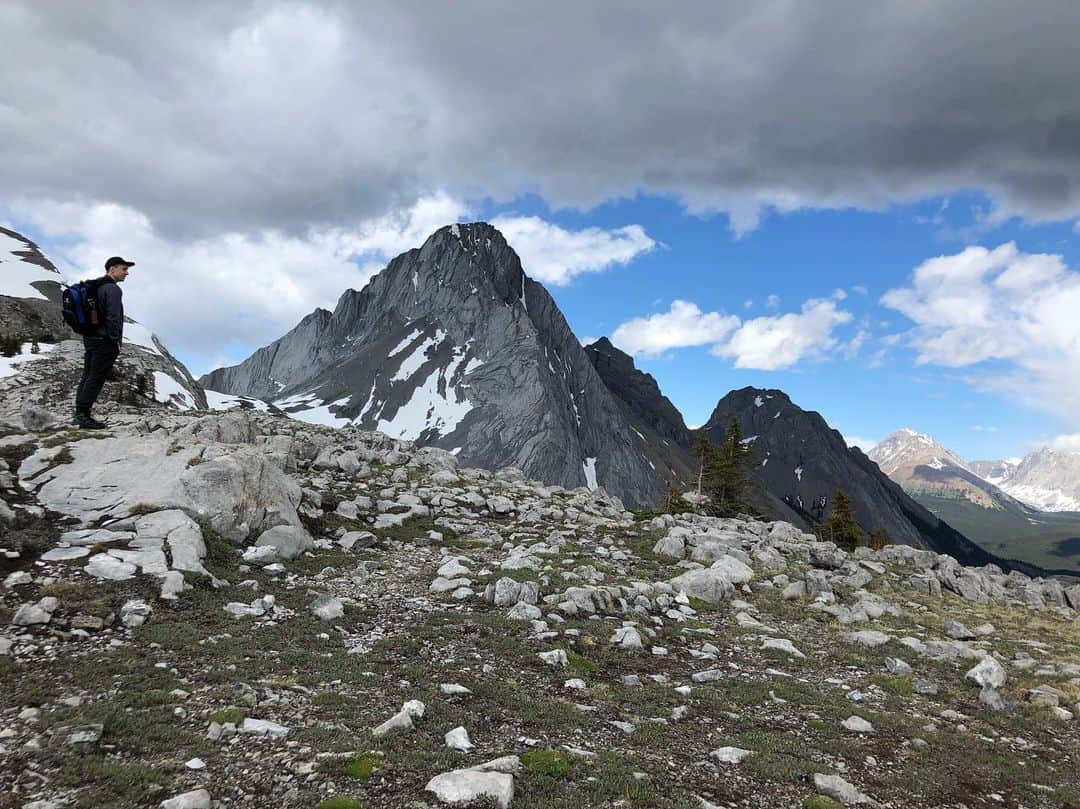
(87, 422)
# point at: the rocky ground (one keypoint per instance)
(238, 609)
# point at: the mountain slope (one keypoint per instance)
(653, 417)
(30, 290)
(947, 486)
(453, 345)
(800, 463)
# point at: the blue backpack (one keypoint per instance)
(79, 306)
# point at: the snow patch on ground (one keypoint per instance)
(758, 401)
(798, 473)
(9, 365)
(589, 466)
(17, 274)
(168, 391)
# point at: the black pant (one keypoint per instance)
(101, 353)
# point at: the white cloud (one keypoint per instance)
(683, 325)
(1070, 442)
(763, 343)
(860, 289)
(839, 295)
(772, 343)
(984, 428)
(865, 444)
(554, 255)
(772, 302)
(1011, 316)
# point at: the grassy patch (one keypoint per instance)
(228, 716)
(106, 781)
(580, 663)
(341, 802)
(821, 802)
(897, 686)
(546, 762)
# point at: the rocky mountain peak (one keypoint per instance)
(909, 448)
(453, 345)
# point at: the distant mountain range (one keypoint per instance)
(968, 496)
(1045, 479)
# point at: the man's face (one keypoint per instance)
(118, 272)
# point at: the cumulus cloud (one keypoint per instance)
(227, 293)
(1069, 442)
(772, 343)
(554, 255)
(1008, 315)
(762, 343)
(683, 325)
(233, 117)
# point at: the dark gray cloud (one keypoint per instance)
(233, 116)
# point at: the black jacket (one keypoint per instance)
(110, 306)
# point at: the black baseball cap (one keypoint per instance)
(112, 262)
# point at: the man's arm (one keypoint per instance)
(109, 300)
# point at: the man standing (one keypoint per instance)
(103, 343)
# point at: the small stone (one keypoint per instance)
(781, 645)
(458, 739)
(327, 608)
(730, 755)
(987, 672)
(857, 724)
(453, 689)
(33, 614)
(465, 787)
(195, 764)
(556, 657)
(134, 613)
(833, 786)
(262, 727)
(402, 720)
(957, 631)
(196, 799)
(104, 566)
(897, 667)
(64, 554)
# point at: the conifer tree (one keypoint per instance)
(726, 477)
(841, 524)
(879, 539)
(704, 451)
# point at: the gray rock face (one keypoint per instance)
(237, 492)
(452, 345)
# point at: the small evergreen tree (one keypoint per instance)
(841, 524)
(727, 475)
(879, 539)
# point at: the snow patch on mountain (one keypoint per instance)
(589, 467)
(17, 274)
